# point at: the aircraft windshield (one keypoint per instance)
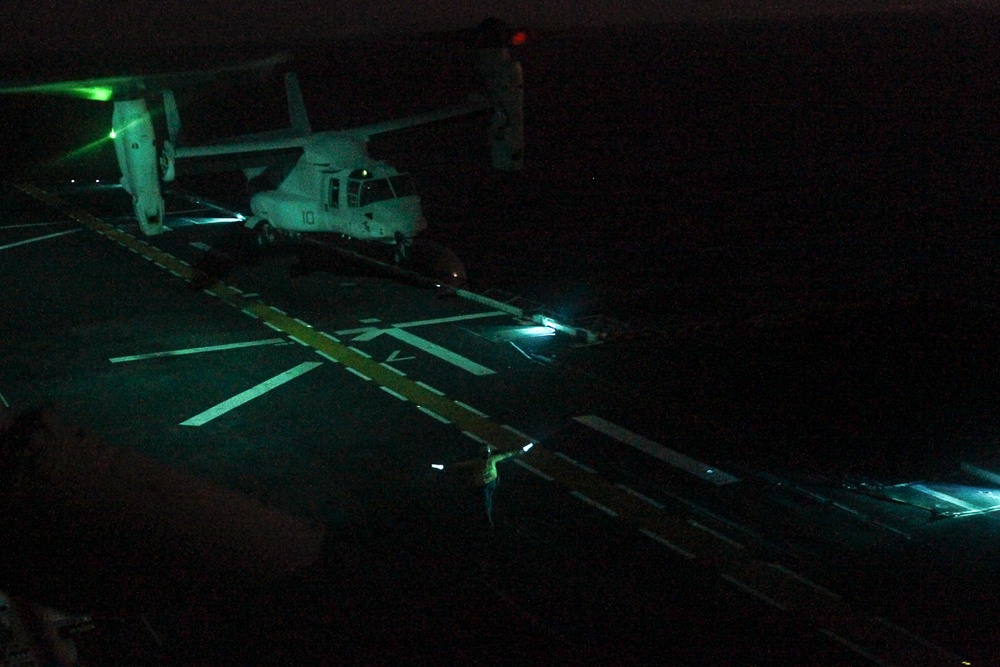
(403, 185)
(371, 190)
(374, 190)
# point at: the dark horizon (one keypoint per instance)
(145, 24)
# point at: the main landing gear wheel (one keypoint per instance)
(266, 234)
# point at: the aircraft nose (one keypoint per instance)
(399, 216)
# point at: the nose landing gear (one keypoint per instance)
(402, 248)
(266, 234)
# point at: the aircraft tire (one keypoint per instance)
(266, 234)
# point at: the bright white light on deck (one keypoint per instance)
(527, 446)
(537, 331)
(213, 221)
(437, 466)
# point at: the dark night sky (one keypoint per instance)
(50, 24)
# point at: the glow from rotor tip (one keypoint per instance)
(95, 93)
(527, 446)
(437, 466)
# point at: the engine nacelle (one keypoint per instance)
(135, 147)
(504, 82)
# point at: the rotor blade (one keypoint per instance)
(110, 88)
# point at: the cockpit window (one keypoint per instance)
(374, 190)
(403, 185)
(363, 190)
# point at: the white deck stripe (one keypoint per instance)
(430, 388)
(250, 394)
(475, 437)
(327, 356)
(920, 640)
(38, 238)
(393, 393)
(358, 373)
(655, 449)
(40, 224)
(670, 545)
(944, 496)
(431, 413)
(196, 350)
(533, 469)
(863, 652)
(716, 534)
(439, 352)
(575, 462)
(444, 320)
(361, 352)
(593, 503)
(516, 432)
(808, 582)
(645, 498)
(754, 592)
(472, 409)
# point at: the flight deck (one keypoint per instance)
(631, 531)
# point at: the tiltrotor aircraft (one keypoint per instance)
(316, 181)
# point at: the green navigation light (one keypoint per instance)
(113, 134)
(95, 93)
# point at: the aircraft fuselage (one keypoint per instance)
(337, 187)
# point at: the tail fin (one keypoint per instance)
(296, 106)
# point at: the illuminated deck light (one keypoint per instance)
(538, 331)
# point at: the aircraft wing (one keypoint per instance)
(244, 146)
(367, 131)
(261, 150)
(265, 144)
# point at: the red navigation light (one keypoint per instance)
(518, 38)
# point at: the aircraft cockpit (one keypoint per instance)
(364, 188)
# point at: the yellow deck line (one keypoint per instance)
(802, 601)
